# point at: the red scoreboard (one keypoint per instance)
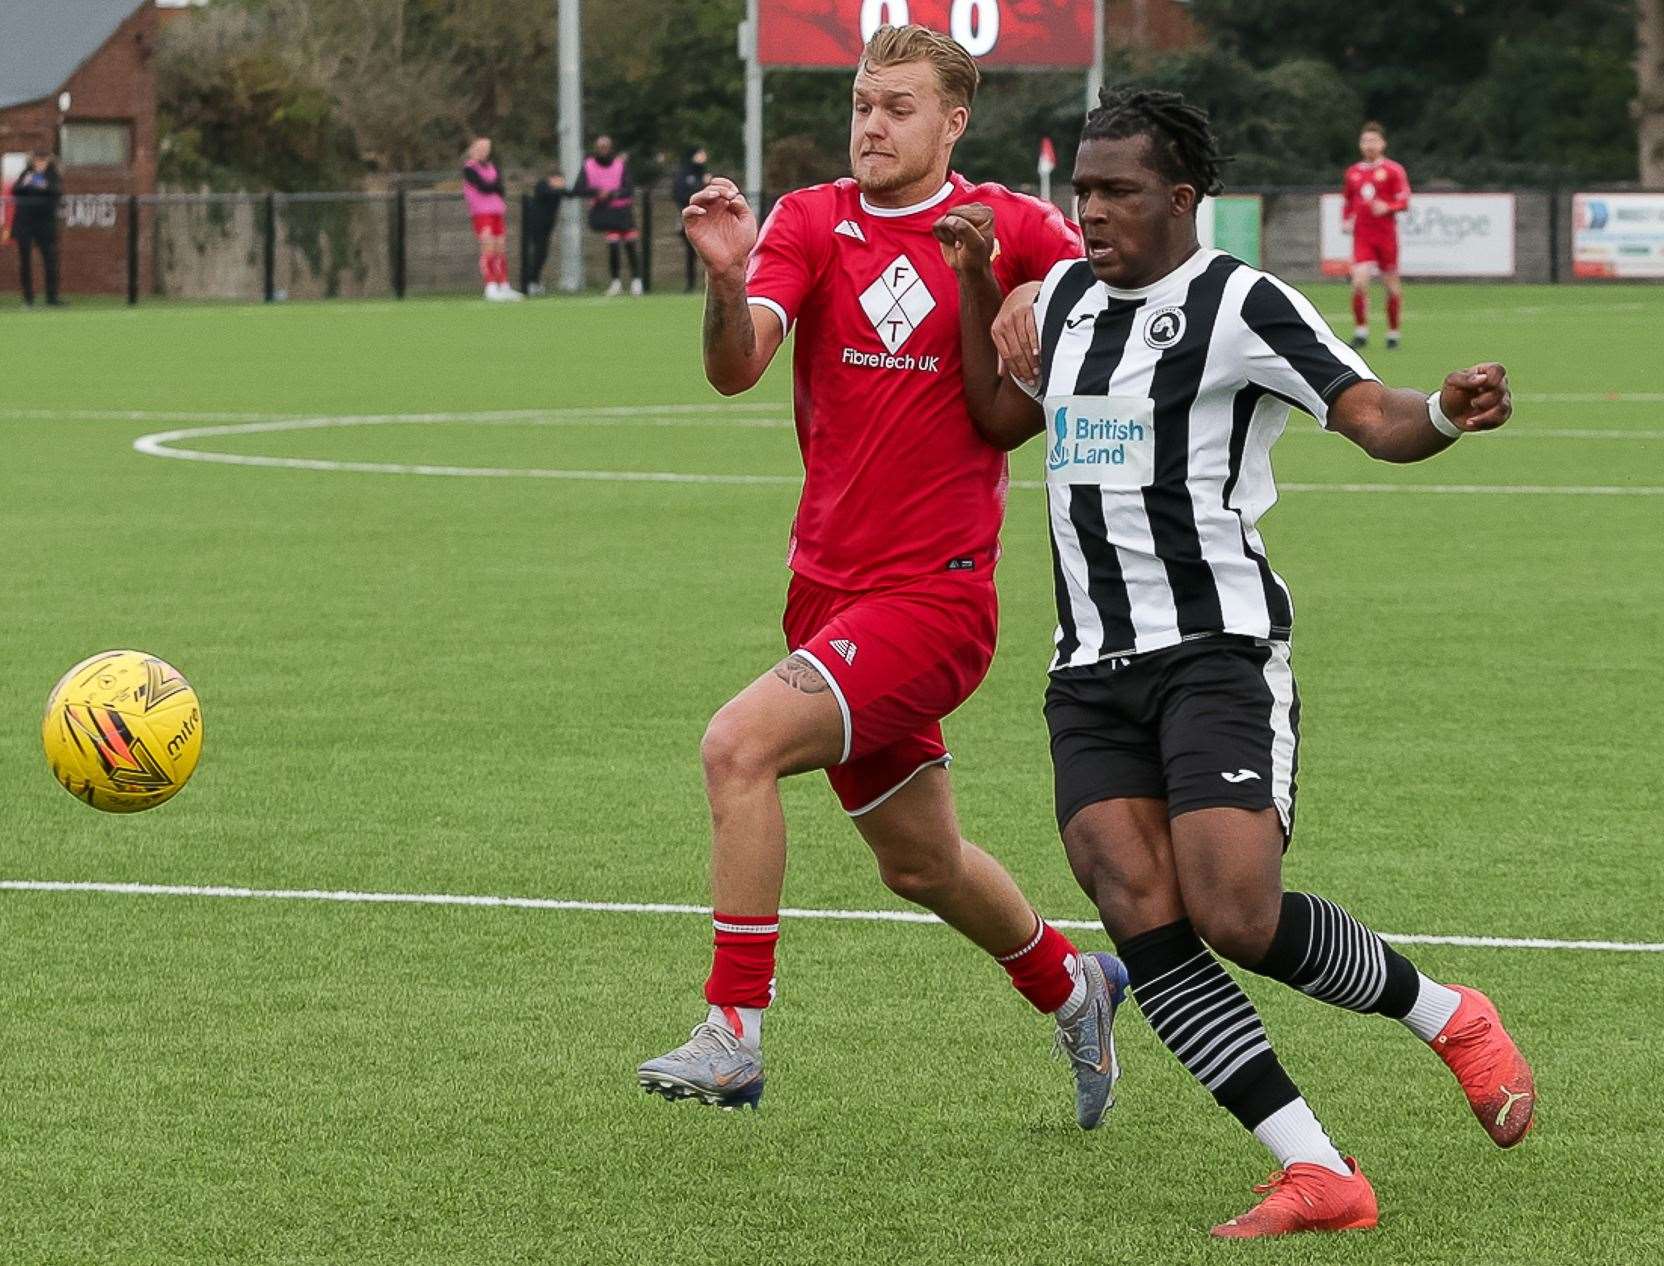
(998, 33)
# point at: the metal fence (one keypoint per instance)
(277, 246)
(272, 247)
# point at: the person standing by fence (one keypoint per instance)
(35, 196)
(692, 176)
(482, 187)
(606, 181)
(542, 213)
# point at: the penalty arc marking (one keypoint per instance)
(673, 908)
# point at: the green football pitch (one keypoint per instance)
(494, 685)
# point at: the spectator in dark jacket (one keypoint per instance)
(541, 218)
(35, 198)
(692, 176)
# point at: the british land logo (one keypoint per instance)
(1058, 457)
(1164, 328)
(897, 303)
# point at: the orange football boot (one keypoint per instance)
(1306, 1198)
(1494, 1075)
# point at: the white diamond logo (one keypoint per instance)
(897, 302)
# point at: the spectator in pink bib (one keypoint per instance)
(482, 187)
(606, 181)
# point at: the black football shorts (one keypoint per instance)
(1207, 724)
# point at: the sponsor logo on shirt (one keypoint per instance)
(897, 303)
(1104, 440)
(884, 360)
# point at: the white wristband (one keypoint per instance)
(1442, 424)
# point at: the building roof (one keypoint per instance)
(44, 42)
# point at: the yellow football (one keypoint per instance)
(123, 731)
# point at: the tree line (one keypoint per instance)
(343, 94)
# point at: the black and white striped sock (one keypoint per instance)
(1322, 950)
(1205, 1019)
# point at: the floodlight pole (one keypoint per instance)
(753, 108)
(571, 129)
(1095, 76)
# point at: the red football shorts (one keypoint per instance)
(1375, 247)
(490, 225)
(623, 235)
(898, 661)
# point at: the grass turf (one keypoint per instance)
(497, 686)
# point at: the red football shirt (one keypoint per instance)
(1366, 182)
(897, 483)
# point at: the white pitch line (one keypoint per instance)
(1590, 397)
(712, 415)
(159, 444)
(681, 477)
(661, 907)
(301, 419)
(1519, 490)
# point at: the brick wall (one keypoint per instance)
(116, 84)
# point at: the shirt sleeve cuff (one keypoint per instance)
(772, 306)
(1339, 385)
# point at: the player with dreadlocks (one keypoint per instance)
(1162, 374)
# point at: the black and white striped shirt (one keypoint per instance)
(1162, 405)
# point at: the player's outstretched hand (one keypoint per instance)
(1477, 399)
(967, 237)
(720, 225)
(1016, 336)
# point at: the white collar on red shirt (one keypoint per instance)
(892, 213)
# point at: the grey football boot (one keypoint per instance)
(712, 1066)
(1086, 1036)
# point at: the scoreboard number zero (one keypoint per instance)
(973, 23)
(1033, 35)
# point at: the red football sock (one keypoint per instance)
(488, 271)
(1360, 308)
(742, 969)
(1043, 967)
(1395, 308)
(502, 269)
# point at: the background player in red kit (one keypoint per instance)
(1376, 191)
(891, 612)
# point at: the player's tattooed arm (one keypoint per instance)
(728, 327)
(740, 338)
(800, 675)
